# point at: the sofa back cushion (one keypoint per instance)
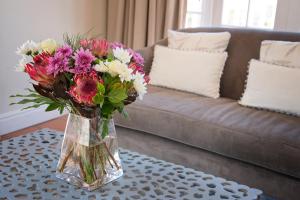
(280, 53)
(244, 45)
(272, 87)
(193, 71)
(198, 41)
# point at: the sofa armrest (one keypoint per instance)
(148, 54)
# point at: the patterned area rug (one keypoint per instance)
(28, 163)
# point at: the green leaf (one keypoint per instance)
(117, 95)
(109, 80)
(119, 106)
(98, 99)
(107, 109)
(97, 61)
(52, 106)
(110, 57)
(69, 78)
(128, 84)
(27, 95)
(30, 90)
(33, 106)
(100, 88)
(61, 109)
(36, 100)
(25, 101)
(117, 86)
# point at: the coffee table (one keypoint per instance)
(28, 163)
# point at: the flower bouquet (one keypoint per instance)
(91, 78)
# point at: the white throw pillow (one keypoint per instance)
(193, 71)
(272, 87)
(198, 41)
(280, 53)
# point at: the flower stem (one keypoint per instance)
(65, 160)
(81, 168)
(115, 162)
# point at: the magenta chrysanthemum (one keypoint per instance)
(115, 45)
(58, 63)
(83, 60)
(65, 51)
(136, 57)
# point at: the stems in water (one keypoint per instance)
(92, 161)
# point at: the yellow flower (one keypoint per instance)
(48, 45)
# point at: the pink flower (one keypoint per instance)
(38, 70)
(136, 68)
(85, 87)
(42, 59)
(85, 43)
(65, 51)
(58, 63)
(99, 47)
(83, 60)
(138, 58)
(115, 45)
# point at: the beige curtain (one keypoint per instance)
(140, 23)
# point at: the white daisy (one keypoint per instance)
(118, 68)
(125, 73)
(122, 55)
(29, 46)
(139, 85)
(101, 67)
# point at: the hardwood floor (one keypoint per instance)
(56, 124)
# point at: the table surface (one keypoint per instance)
(28, 163)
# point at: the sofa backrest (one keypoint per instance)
(244, 45)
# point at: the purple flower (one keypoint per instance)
(83, 60)
(65, 51)
(115, 45)
(58, 63)
(138, 58)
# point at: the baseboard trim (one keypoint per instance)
(19, 119)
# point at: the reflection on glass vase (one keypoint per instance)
(89, 153)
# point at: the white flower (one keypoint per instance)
(139, 85)
(21, 66)
(101, 67)
(125, 73)
(118, 68)
(113, 67)
(122, 55)
(48, 45)
(28, 47)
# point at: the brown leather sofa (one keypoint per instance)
(218, 136)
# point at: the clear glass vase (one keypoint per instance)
(89, 153)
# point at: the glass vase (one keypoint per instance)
(89, 153)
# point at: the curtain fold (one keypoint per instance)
(140, 23)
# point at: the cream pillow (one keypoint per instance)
(198, 41)
(280, 53)
(192, 71)
(272, 87)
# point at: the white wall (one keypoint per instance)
(37, 20)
